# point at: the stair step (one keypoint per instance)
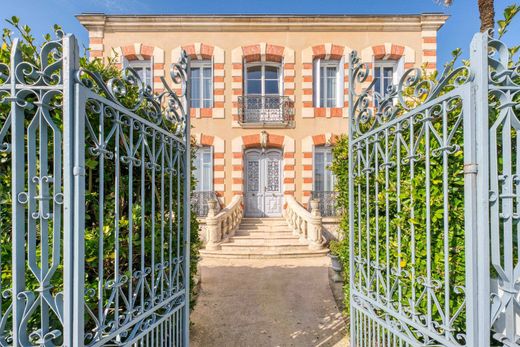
(263, 248)
(265, 227)
(265, 235)
(263, 238)
(263, 222)
(249, 241)
(262, 254)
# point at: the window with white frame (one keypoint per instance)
(143, 68)
(263, 79)
(204, 169)
(386, 74)
(201, 84)
(323, 178)
(328, 82)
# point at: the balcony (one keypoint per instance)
(199, 202)
(328, 203)
(266, 111)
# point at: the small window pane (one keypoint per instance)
(195, 93)
(388, 72)
(331, 71)
(271, 73)
(254, 73)
(254, 87)
(207, 72)
(271, 87)
(206, 91)
(195, 72)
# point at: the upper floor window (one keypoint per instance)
(263, 79)
(143, 68)
(323, 177)
(201, 84)
(204, 169)
(386, 74)
(328, 81)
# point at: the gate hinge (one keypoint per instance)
(79, 171)
(470, 168)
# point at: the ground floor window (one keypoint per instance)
(204, 169)
(323, 177)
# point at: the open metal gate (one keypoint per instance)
(96, 175)
(434, 178)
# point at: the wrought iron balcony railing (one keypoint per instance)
(266, 109)
(328, 203)
(199, 202)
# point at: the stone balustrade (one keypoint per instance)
(222, 225)
(307, 225)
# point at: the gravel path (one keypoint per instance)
(266, 302)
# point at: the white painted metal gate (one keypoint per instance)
(98, 176)
(434, 179)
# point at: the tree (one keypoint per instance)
(486, 9)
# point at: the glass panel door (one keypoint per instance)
(263, 173)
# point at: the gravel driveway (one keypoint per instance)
(266, 302)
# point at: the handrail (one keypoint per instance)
(327, 203)
(222, 225)
(265, 109)
(199, 202)
(307, 225)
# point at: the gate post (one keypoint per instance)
(351, 85)
(71, 315)
(480, 69)
(187, 207)
(18, 187)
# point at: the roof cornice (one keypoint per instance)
(215, 23)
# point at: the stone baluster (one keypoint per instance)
(314, 226)
(213, 226)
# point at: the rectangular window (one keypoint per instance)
(201, 84)
(384, 75)
(143, 68)
(204, 169)
(328, 79)
(263, 79)
(323, 177)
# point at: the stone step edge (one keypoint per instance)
(253, 255)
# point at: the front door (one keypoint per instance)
(263, 172)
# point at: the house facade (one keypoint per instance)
(269, 92)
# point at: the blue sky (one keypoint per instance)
(464, 21)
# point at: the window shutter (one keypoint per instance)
(340, 94)
(316, 81)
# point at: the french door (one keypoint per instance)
(263, 173)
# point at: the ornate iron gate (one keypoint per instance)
(99, 175)
(434, 204)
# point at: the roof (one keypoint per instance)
(263, 22)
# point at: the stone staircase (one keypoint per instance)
(263, 238)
